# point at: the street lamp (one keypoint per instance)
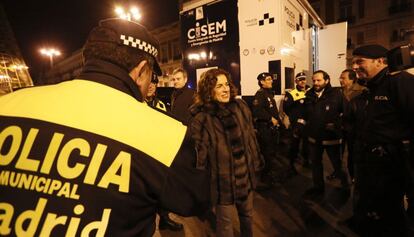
(51, 53)
(132, 14)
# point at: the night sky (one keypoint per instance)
(65, 24)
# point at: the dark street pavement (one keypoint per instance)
(282, 211)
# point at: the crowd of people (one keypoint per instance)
(93, 155)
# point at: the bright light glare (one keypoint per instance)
(18, 67)
(285, 51)
(133, 13)
(119, 11)
(194, 56)
(50, 52)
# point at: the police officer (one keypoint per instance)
(78, 158)
(294, 107)
(385, 123)
(151, 98)
(324, 108)
(266, 116)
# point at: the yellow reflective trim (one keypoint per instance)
(102, 110)
(297, 95)
(160, 105)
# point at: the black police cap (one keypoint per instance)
(300, 76)
(372, 51)
(263, 75)
(131, 34)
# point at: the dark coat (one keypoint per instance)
(384, 114)
(324, 115)
(264, 106)
(212, 144)
(181, 100)
(99, 126)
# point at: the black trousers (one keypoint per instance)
(381, 182)
(334, 154)
(267, 143)
(296, 138)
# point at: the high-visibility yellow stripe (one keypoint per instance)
(102, 110)
(297, 95)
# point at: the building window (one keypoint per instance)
(397, 35)
(176, 50)
(164, 53)
(361, 8)
(360, 38)
(349, 43)
(398, 6)
(345, 11)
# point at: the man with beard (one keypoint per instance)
(384, 123)
(324, 108)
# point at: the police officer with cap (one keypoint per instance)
(294, 107)
(86, 164)
(151, 98)
(385, 128)
(266, 116)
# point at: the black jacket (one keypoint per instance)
(324, 116)
(87, 148)
(264, 106)
(181, 100)
(385, 113)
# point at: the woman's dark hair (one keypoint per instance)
(109, 50)
(207, 83)
(351, 74)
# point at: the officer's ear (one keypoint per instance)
(137, 72)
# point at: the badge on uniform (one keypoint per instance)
(270, 102)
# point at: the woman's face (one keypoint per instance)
(221, 92)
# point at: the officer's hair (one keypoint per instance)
(110, 50)
(177, 70)
(207, 83)
(325, 74)
(351, 74)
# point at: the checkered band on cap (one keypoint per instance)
(139, 44)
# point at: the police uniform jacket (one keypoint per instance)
(83, 158)
(323, 116)
(264, 106)
(181, 100)
(157, 104)
(386, 109)
(294, 104)
(213, 146)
